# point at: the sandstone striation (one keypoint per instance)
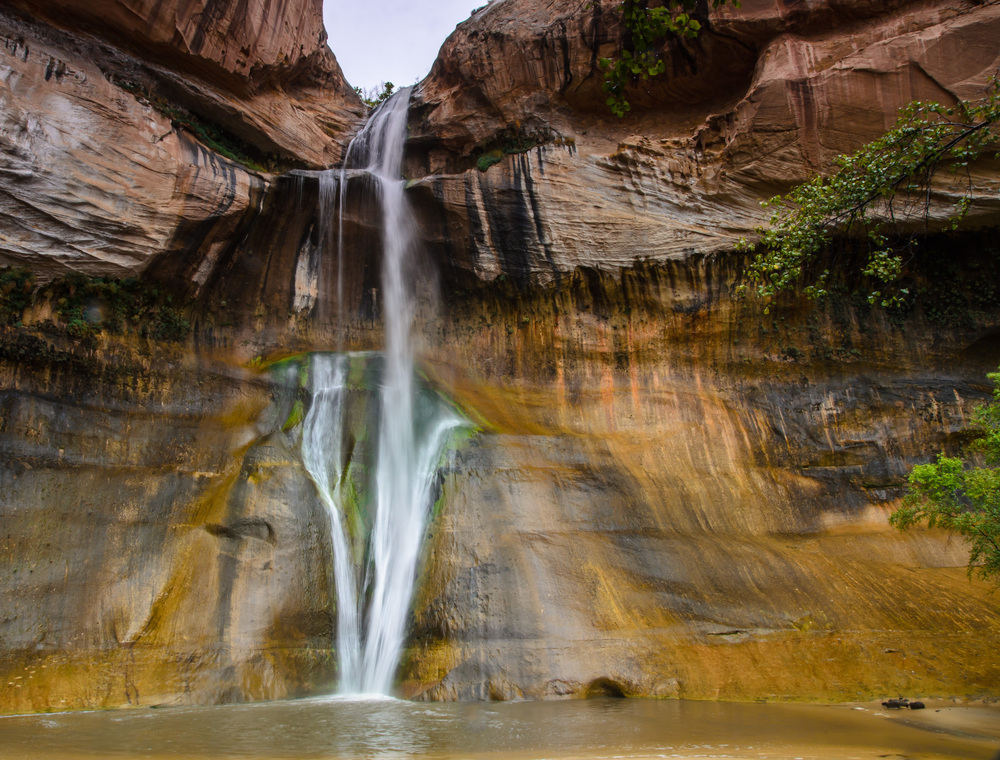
(262, 70)
(767, 95)
(94, 180)
(103, 164)
(675, 495)
(163, 545)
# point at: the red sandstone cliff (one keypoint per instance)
(263, 70)
(767, 95)
(100, 171)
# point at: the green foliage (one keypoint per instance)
(86, 306)
(963, 494)
(960, 292)
(89, 305)
(295, 417)
(16, 286)
(874, 192)
(215, 138)
(507, 143)
(487, 160)
(375, 96)
(646, 30)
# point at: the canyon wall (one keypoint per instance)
(672, 493)
(105, 161)
(678, 493)
(162, 542)
(766, 96)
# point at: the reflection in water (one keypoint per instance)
(344, 729)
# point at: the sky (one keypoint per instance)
(394, 41)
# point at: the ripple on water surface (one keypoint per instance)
(381, 727)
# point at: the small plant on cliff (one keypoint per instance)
(211, 135)
(874, 197)
(962, 494)
(374, 97)
(16, 287)
(510, 142)
(646, 29)
(87, 306)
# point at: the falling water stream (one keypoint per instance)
(373, 595)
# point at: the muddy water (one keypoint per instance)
(385, 728)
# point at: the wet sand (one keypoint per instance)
(975, 719)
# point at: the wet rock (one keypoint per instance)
(662, 495)
(164, 546)
(673, 494)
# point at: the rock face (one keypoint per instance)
(675, 495)
(672, 493)
(68, 202)
(238, 39)
(163, 543)
(263, 71)
(99, 176)
(767, 95)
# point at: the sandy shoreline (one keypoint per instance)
(953, 730)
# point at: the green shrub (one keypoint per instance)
(962, 494)
(489, 159)
(16, 287)
(87, 306)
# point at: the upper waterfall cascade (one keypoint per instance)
(374, 586)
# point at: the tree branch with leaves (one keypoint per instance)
(647, 28)
(875, 196)
(373, 97)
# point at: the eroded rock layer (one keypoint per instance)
(104, 157)
(767, 95)
(672, 494)
(676, 495)
(262, 70)
(163, 544)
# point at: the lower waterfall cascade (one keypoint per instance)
(374, 590)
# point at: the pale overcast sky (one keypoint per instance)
(391, 40)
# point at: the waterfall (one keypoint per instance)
(373, 600)
(322, 436)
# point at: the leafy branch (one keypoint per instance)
(875, 190)
(646, 31)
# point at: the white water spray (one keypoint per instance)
(373, 604)
(322, 439)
